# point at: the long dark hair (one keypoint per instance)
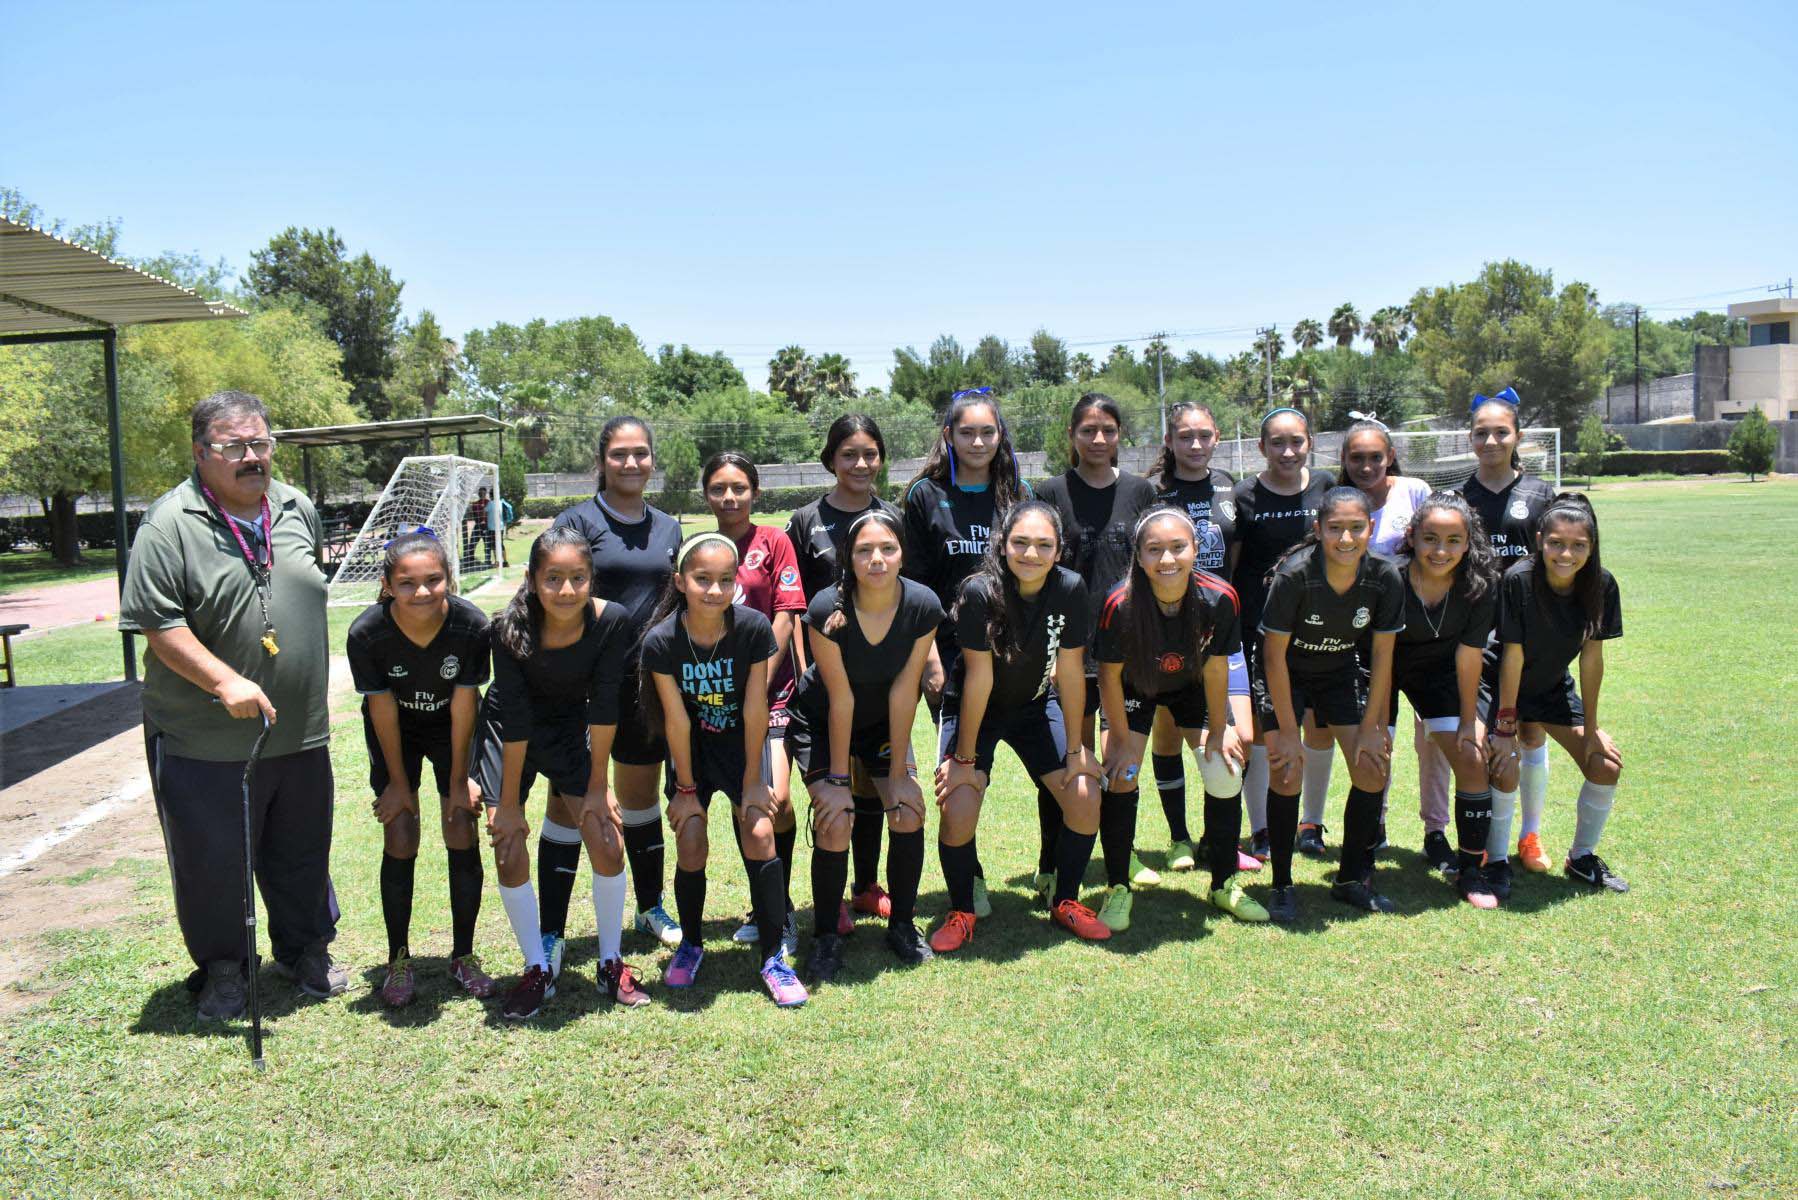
(1166, 467)
(1516, 424)
(649, 700)
(610, 430)
(1393, 467)
(939, 467)
(1140, 612)
(729, 458)
(1084, 405)
(846, 552)
(518, 625)
(1588, 584)
(1477, 573)
(1004, 605)
(1333, 499)
(419, 541)
(844, 428)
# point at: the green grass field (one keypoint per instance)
(1567, 1045)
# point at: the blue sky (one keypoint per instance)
(855, 177)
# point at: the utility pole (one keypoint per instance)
(1267, 346)
(1785, 287)
(1638, 364)
(1160, 383)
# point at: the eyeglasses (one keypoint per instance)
(235, 451)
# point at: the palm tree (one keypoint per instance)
(1157, 348)
(1345, 325)
(1307, 334)
(1270, 340)
(1121, 355)
(1302, 385)
(790, 374)
(1084, 367)
(831, 376)
(430, 361)
(1387, 329)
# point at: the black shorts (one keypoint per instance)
(1035, 732)
(808, 746)
(718, 765)
(1187, 707)
(1434, 695)
(557, 752)
(1559, 705)
(1337, 699)
(415, 747)
(633, 744)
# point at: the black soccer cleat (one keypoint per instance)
(907, 944)
(1310, 841)
(1498, 879)
(1591, 870)
(1359, 894)
(1441, 855)
(826, 958)
(1282, 906)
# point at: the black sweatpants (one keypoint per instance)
(200, 805)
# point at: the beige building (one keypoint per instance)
(1764, 373)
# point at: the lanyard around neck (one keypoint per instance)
(268, 532)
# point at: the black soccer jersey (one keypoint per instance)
(871, 668)
(422, 679)
(714, 680)
(1510, 515)
(1054, 619)
(1212, 507)
(947, 531)
(814, 530)
(1267, 526)
(1177, 666)
(1324, 626)
(1096, 525)
(1550, 627)
(632, 560)
(1427, 644)
(576, 684)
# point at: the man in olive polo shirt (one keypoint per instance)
(237, 632)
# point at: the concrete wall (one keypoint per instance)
(1668, 396)
(1763, 377)
(1710, 368)
(1708, 435)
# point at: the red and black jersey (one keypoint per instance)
(1177, 665)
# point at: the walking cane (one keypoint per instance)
(249, 901)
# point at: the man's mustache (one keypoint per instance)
(251, 469)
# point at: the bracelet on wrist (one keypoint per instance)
(1505, 728)
(966, 762)
(686, 789)
(1507, 714)
(837, 780)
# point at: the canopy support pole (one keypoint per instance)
(109, 341)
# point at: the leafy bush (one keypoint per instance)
(1673, 462)
(1753, 443)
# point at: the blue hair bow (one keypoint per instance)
(1508, 396)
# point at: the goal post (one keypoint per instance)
(431, 492)
(1444, 458)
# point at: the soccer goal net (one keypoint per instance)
(1443, 458)
(428, 492)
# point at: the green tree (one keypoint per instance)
(427, 367)
(1307, 334)
(1713, 329)
(988, 361)
(1048, 358)
(1388, 328)
(1083, 367)
(687, 372)
(1753, 444)
(1345, 325)
(1269, 343)
(832, 377)
(1592, 443)
(790, 374)
(678, 459)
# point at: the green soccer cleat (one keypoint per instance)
(1114, 914)
(983, 907)
(1238, 903)
(1042, 888)
(1140, 875)
(1181, 856)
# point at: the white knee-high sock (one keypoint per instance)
(1498, 839)
(1254, 788)
(608, 912)
(1595, 801)
(1532, 786)
(1316, 791)
(521, 910)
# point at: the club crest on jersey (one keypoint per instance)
(1227, 507)
(451, 667)
(1519, 510)
(1362, 617)
(789, 577)
(754, 559)
(1172, 662)
(396, 671)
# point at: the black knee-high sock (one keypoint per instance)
(1073, 851)
(1049, 826)
(1282, 830)
(1360, 825)
(1170, 781)
(743, 853)
(783, 850)
(1117, 834)
(396, 903)
(557, 865)
(465, 899)
(830, 875)
(958, 873)
(1473, 824)
(1223, 826)
(767, 892)
(864, 840)
(974, 848)
(643, 847)
(689, 900)
(905, 869)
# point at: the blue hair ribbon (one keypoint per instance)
(1508, 396)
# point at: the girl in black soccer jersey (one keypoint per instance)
(1326, 595)
(855, 454)
(419, 658)
(1510, 503)
(870, 635)
(705, 687)
(1099, 505)
(1021, 624)
(633, 545)
(1451, 600)
(1554, 607)
(1273, 512)
(1164, 640)
(553, 711)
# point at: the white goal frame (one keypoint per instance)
(452, 484)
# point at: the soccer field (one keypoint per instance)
(1567, 1044)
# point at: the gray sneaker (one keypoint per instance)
(222, 995)
(315, 974)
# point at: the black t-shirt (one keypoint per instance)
(1550, 627)
(1427, 644)
(1212, 507)
(1054, 619)
(1178, 666)
(1096, 525)
(1510, 515)
(712, 681)
(1267, 526)
(814, 530)
(632, 560)
(871, 669)
(576, 684)
(422, 679)
(1325, 626)
(947, 531)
